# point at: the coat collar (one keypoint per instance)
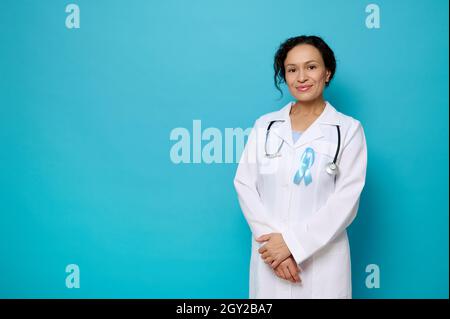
(329, 116)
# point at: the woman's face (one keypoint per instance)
(305, 73)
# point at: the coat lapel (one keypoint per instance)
(283, 129)
(315, 131)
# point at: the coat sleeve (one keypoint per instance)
(307, 237)
(245, 184)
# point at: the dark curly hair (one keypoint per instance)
(286, 46)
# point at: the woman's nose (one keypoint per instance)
(301, 76)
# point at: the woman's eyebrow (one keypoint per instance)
(306, 62)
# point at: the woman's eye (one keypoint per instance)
(291, 70)
(312, 66)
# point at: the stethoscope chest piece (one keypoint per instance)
(332, 169)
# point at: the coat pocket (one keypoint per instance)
(326, 148)
(325, 155)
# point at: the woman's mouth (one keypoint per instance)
(303, 88)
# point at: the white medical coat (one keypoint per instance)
(311, 218)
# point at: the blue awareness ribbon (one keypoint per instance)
(304, 171)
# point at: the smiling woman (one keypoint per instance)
(298, 208)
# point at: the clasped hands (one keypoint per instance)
(277, 255)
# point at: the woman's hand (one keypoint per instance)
(275, 250)
(288, 270)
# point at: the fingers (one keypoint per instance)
(293, 270)
(287, 274)
(265, 255)
(268, 260)
(279, 273)
(288, 270)
(263, 238)
(273, 262)
(276, 261)
(263, 249)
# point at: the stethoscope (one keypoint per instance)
(331, 168)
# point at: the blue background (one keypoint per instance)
(85, 119)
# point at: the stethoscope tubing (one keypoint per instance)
(338, 148)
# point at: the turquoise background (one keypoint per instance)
(86, 115)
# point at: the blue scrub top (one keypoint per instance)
(296, 135)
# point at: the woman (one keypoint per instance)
(299, 182)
